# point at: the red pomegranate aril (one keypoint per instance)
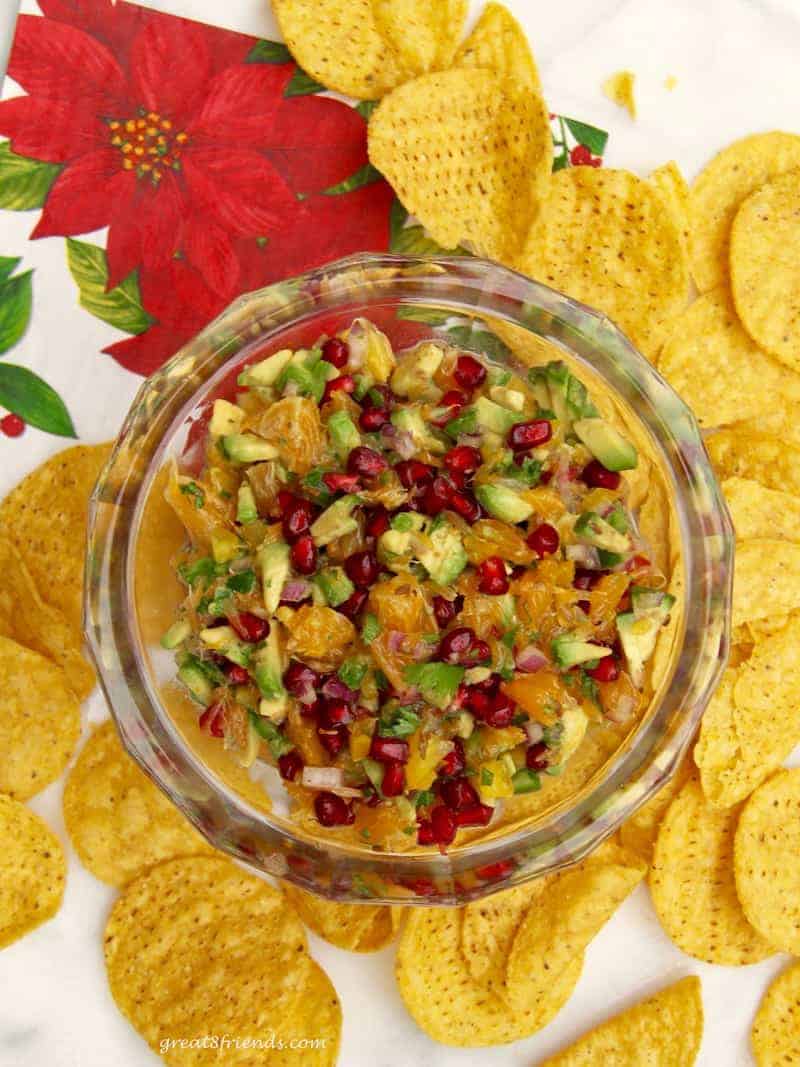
(463, 459)
(213, 720)
(311, 711)
(458, 793)
(455, 761)
(362, 568)
(456, 644)
(531, 434)
(493, 579)
(303, 554)
(478, 702)
(477, 815)
(425, 834)
(377, 522)
(597, 476)
(351, 607)
(388, 749)
(285, 499)
(371, 419)
(544, 540)
(468, 372)
(333, 740)
(444, 825)
(236, 674)
(493, 872)
(437, 496)
(586, 579)
(585, 606)
(333, 811)
(366, 462)
(450, 405)
(536, 756)
(479, 652)
(297, 518)
(343, 384)
(466, 506)
(335, 351)
(413, 472)
(446, 610)
(607, 670)
(500, 713)
(335, 713)
(394, 778)
(299, 678)
(290, 765)
(250, 627)
(338, 482)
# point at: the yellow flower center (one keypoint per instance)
(148, 144)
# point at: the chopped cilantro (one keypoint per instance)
(361, 887)
(551, 735)
(590, 689)
(466, 422)
(520, 718)
(424, 798)
(402, 522)
(206, 667)
(438, 682)
(215, 605)
(509, 637)
(376, 397)
(352, 671)
(204, 569)
(193, 490)
(487, 778)
(314, 481)
(279, 745)
(370, 629)
(400, 722)
(381, 681)
(506, 672)
(362, 384)
(243, 582)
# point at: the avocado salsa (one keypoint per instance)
(412, 581)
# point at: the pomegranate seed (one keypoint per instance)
(299, 678)
(333, 740)
(599, 477)
(437, 496)
(333, 713)
(413, 472)
(366, 462)
(493, 578)
(12, 425)
(456, 644)
(341, 483)
(425, 834)
(500, 713)
(312, 710)
(290, 764)
(351, 607)
(607, 670)
(478, 702)
(466, 506)
(236, 674)
(531, 434)
(585, 579)
(394, 779)
(343, 384)
(536, 756)
(388, 749)
(285, 499)
(544, 540)
(637, 563)
(463, 459)
(469, 373)
(249, 627)
(333, 811)
(585, 606)
(297, 518)
(335, 351)
(371, 419)
(493, 872)
(580, 156)
(362, 568)
(477, 815)
(458, 793)
(479, 652)
(213, 720)
(446, 610)
(377, 522)
(450, 405)
(455, 761)
(304, 555)
(444, 825)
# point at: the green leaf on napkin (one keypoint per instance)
(302, 84)
(16, 297)
(8, 264)
(121, 306)
(363, 176)
(594, 139)
(28, 396)
(269, 52)
(24, 183)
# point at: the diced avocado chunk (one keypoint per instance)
(606, 444)
(413, 375)
(335, 585)
(344, 434)
(336, 521)
(645, 601)
(494, 417)
(176, 634)
(224, 639)
(638, 633)
(197, 682)
(503, 503)
(269, 669)
(267, 371)
(445, 557)
(226, 419)
(308, 372)
(373, 348)
(438, 682)
(537, 376)
(557, 375)
(247, 448)
(574, 722)
(594, 530)
(410, 419)
(465, 422)
(526, 781)
(273, 560)
(246, 507)
(512, 399)
(278, 743)
(568, 650)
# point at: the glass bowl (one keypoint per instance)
(131, 591)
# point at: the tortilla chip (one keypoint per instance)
(673, 188)
(119, 822)
(444, 1000)
(489, 929)
(195, 946)
(604, 238)
(665, 1030)
(639, 832)
(765, 245)
(776, 1028)
(758, 512)
(32, 871)
(353, 927)
(468, 154)
(653, 521)
(720, 188)
(339, 44)
(46, 516)
(746, 453)
(498, 43)
(424, 36)
(40, 723)
(692, 883)
(619, 89)
(382, 930)
(766, 579)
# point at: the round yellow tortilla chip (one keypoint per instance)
(32, 871)
(776, 1028)
(692, 883)
(663, 1031)
(40, 722)
(640, 831)
(469, 154)
(747, 453)
(45, 517)
(489, 929)
(767, 860)
(721, 187)
(444, 1000)
(758, 512)
(353, 927)
(498, 43)
(195, 947)
(424, 36)
(765, 246)
(119, 822)
(605, 238)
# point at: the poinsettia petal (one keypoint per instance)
(144, 231)
(316, 142)
(241, 189)
(85, 195)
(114, 23)
(147, 351)
(242, 102)
(49, 129)
(59, 62)
(177, 294)
(123, 246)
(170, 67)
(209, 251)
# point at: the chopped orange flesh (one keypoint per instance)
(540, 694)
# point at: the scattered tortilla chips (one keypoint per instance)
(424, 36)
(447, 1004)
(776, 1029)
(468, 154)
(693, 887)
(32, 871)
(639, 833)
(758, 512)
(498, 43)
(619, 90)
(672, 185)
(45, 517)
(766, 579)
(40, 721)
(197, 947)
(120, 824)
(605, 239)
(663, 1031)
(353, 927)
(767, 860)
(489, 929)
(721, 187)
(573, 908)
(747, 453)
(765, 245)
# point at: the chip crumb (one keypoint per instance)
(619, 89)
(670, 82)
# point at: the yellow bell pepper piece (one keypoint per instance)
(494, 780)
(421, 767)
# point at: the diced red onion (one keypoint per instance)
(330, 779)
(623, 711)
(295, 590)
(335, 689)
(357, 343)
(535, 732)
(400, 441)
(530, 659)
(396, 641)
(584, 555)
(421, 650)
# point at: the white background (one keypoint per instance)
(737, 67)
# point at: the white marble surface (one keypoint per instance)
(736, 62)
